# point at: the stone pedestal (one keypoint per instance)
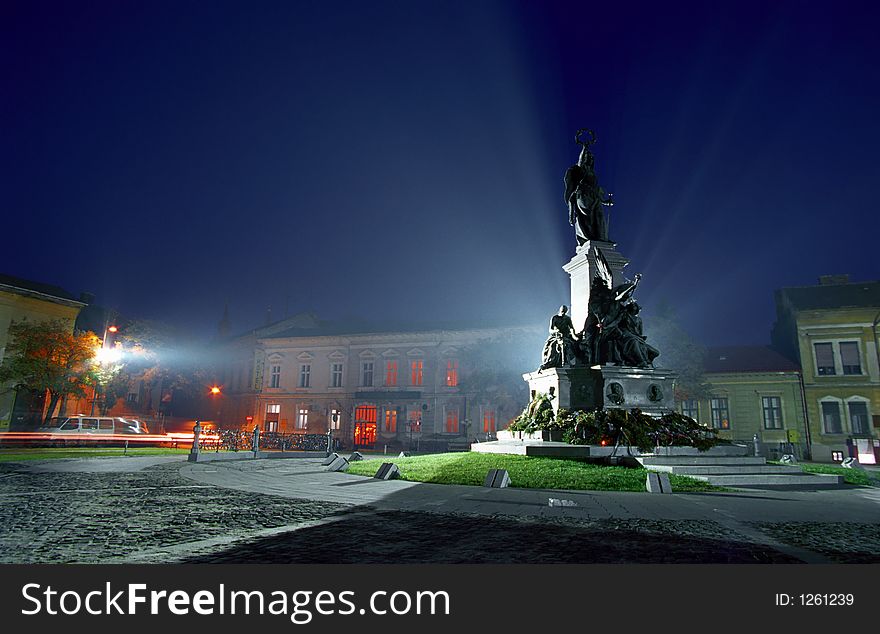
(605, 387)
(582, 269)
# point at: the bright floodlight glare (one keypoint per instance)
(112, 329)
(108, 355)
(215, 390)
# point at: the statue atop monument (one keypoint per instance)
(584, 197)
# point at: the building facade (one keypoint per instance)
(755, 394)
(399, 389)
(831, 330)
(34, 301)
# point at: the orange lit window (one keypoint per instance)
(391, 373)
(417, 371)
(489, 421)
(391, 420)
(451, 373)
(414, 421)
(452, 421)
(365, 414)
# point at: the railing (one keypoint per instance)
(236, 440)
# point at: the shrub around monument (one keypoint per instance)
(618, 426)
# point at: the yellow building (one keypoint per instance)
(755, 391)
(831, 329)
(24, 299)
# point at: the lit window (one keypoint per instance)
(302, 418)
(365, 414)
(849, 357)
(417, 372)
(336, 375)
(451, 373)
(772, 412)
(273, 408)
(824, 359)
(391, 373)
(452, 421)
(367, 374)
(831, 423)
(335, 415)
(489, 421)
(858, 417)
(414, 421)
(691, 408)
(720, 413)
(391, 420)
(275, 376)
(270, 426)
(305, 375)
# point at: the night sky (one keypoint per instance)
(403, 160)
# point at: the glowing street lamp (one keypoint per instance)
(215, 389)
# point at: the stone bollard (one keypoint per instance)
(194, 450)
(256, 441)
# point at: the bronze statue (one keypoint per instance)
(560, 348)
(584, 197)
(612, 332)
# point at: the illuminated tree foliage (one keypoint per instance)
(48, 357)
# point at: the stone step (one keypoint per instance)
(702, 460)
(724, 469)
(770, 479)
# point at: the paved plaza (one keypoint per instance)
(163, 509)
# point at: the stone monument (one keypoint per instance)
(596, 355)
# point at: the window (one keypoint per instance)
(489, 421)
(305, 375)
(691, 408)
(831, 423)
(273, 408)
(275, 376)
(858, 417)
(365, 414)
(849, 357)
(452, 421)
(335, 415)
(417, 370)
(391, 420)
(302, 418)
(451, 373)
(270, 426)
(336, 375)
(414, 421)
(89, 423)
(367, 374)
(720, 413)
(391, 373)
(824, 359)
(772, 412)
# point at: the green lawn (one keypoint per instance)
(525, 472)
(851, 476)
(46, 453)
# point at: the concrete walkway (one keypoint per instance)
(305, 478)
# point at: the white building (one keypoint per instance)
(397, 389)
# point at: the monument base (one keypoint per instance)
(605, 387)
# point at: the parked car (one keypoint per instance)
(82, 424)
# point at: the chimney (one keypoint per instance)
(831, 280)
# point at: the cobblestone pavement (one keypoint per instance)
(98, 517)
(156, 515)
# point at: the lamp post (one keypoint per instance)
(102, 356)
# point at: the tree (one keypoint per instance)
(678, 352)
(48, 357)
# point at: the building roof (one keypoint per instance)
(731, 359)
(17, 284)
(831, 295)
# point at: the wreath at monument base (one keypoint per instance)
(616, 427)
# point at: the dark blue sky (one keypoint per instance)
(404, 160)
